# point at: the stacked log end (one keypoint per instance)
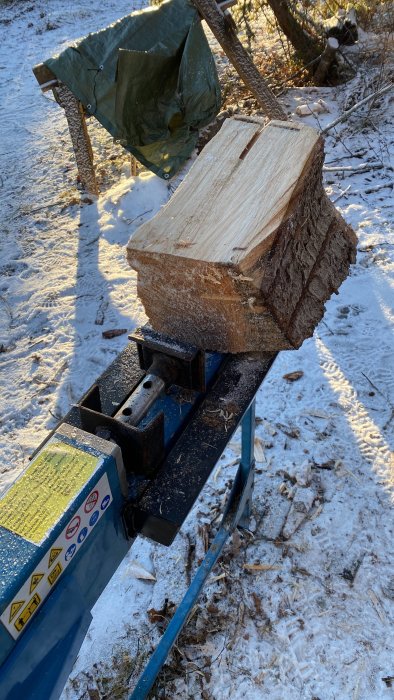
(249, 248)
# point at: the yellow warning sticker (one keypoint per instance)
(34, 503)
(62, 551)
(27, 612)
(55, 551)
(34, 581)
(55, 573)
(15, 607)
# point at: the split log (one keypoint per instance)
(249, 248)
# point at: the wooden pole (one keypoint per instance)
(223, 29)
(79, 136)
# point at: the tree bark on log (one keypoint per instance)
(225, 33)
(249, 248)
(79, 137)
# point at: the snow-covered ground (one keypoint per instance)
(306, 617)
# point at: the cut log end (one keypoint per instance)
(249, 248)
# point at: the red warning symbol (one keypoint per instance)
(73, 527)
(91, 501)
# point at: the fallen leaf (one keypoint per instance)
(93, 694)
(160, 617)
(156, 615)
(293, 376)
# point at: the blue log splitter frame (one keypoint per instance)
(237, 513)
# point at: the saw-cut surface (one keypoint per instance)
(249, 248)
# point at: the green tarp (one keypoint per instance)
(149, 79)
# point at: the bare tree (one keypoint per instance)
(225, 32)
(307, 46)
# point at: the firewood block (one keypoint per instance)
(248, 249)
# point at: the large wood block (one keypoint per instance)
(249, 248)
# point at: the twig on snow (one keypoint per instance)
(342, 194)
(362, 168)
(350, 111)
(375, 188)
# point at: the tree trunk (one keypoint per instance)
(305, 45)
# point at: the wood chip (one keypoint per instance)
(114, 332)
(317, 414)
(136, 570)
(217, 578)
(259, 450)
(293, 376)
(377, 605)
(262, 567)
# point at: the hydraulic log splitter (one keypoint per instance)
(131, 458)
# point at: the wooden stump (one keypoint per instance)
(326, 61)
(249, 248)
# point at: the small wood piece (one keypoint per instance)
(249, 248)
(133, 166)
(45, 78)
(79, 136)
(326, 61)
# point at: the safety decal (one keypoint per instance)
(55, 573)
(34, 503)
(55, 551)
(73, 527)
(34, 581)
(27, 612)
(91, 501)
(56, 560)
(15, 607)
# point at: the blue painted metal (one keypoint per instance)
(175, 406)
(237, 511)
(35, 666)
(246, 472)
